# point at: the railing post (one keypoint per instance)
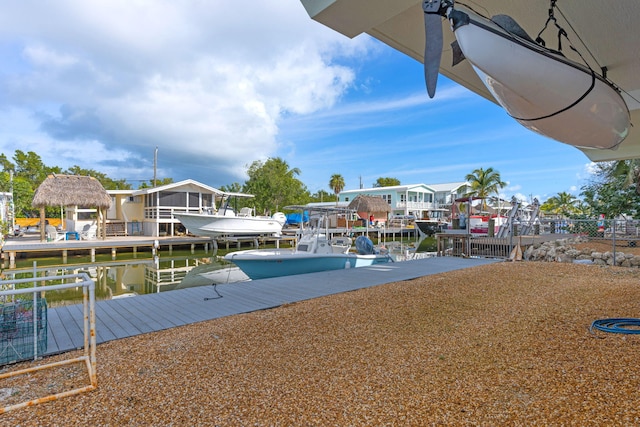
(614, 242)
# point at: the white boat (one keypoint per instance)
(314, 252)
(539, 87)
(225, 221)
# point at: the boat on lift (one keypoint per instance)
(539, 87)
(225, 221)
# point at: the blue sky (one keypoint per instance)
(216, 85)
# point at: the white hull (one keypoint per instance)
(218, 225)
(531, 82)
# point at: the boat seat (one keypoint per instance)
(509, 24)
(245, 212)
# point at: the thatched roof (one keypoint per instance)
(71, 190)
(369, 204)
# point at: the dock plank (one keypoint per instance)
(58, 337)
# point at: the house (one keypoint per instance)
(149, 211)
(445, 195)
(414, 199)
(418, 200)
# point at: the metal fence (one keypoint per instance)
(23, 328)
(616, 234)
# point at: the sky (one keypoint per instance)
(215, 85)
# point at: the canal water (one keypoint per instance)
(128, 277)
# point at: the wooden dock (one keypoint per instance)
(12, 248)
(121, 318)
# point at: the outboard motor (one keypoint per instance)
(364, 246)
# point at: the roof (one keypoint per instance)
(363, 203)
(605, 32)
(71, 190)
(175, 185)
(448, 187)
(409, 187)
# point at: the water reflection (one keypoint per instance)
(130, 278)
(124, 279)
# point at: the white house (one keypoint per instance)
(418, 200)
(149, 211)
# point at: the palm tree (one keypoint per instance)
(484, 183)
(562, 204)
(628, 171)
(336, 183)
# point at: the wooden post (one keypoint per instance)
(103, 217)
(42, 225)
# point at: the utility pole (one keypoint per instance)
(155, 166)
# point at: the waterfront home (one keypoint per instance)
(417, 200)
(149, 211)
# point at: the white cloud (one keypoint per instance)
(206, 82)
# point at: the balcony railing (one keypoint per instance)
(414, 205)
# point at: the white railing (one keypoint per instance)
(414, 205)
(6, 339)
(166, 212)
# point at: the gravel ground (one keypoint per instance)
(502, 344)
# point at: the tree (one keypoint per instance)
(274, 185)
(107, 183)
(320, 196)
(612, 190)
(563, 204)
(235, 187)
(627, 170)
(29, 172)
(158, 183)
(483, 183)
(386, 182)
(336, 183)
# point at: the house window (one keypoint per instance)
(194, 200)
(85, 213)
(173, 198)
(134, 199)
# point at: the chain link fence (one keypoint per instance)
(614, 236)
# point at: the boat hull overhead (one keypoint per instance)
(605, 33)
(544, 91)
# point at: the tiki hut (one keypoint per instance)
(368, 206)
(72, 190)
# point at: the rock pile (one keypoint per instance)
(562, 250)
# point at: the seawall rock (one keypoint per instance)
(563, 250)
